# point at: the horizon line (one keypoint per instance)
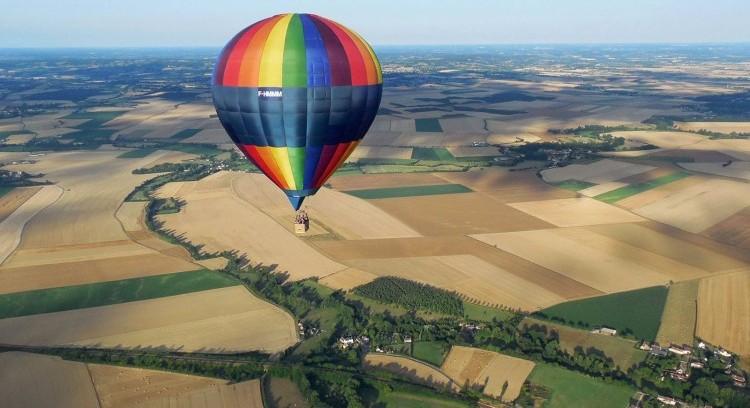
(126, 47)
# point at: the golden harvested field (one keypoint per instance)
(738, 170)
(667, 140)
(131, 214)
(12, 200)
(680, 310)
(85, 211)
(488, 371)
(450, 214)
(512, 138)
(244, 227)
(12, 227)
(721, 127)
(413, 369)
(347, 279)
(723, 317)
(380, 152)
(214, 263)
(129, 387)
(600, 172)
(221, 320)
(595, 260)
(574, 212)
(401, 247)
(35, 380)
(330, 211)
(624, 353)
(370, 181)
(699, 207)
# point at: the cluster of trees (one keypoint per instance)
(411, 295)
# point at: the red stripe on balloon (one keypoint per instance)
(334, 162)
(354, 56)
(337, 59)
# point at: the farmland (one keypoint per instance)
(577, 390)
(722, 311)
(394, 192)
(222, 320)
(623, 352)
(419, 372)
(108, 293)
(637, 312)
(680, 313)
(633, 189)
(494, 374)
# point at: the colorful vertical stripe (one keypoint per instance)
(296, 93)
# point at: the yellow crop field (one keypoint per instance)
(723, 317)
(488, 371)
(417, 371)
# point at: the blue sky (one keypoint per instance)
(138, 23)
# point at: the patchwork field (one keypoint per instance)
(700, 206)
(723, 317)
(592, 259)
(219, 320)
(487, 371)
(413, 369)
(129, 387)
(574, 212)
(680, 312)
(623, 352)
(734, 230)
(471, 277)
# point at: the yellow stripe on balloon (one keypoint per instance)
(281, 156)
(273, 55)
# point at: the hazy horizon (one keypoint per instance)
(171, 23)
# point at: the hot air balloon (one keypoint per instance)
(296, 93)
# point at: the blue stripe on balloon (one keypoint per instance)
(318, 67)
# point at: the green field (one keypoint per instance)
(184, 134)
(138, 153)
(95, 119)
(196, 149)
(432, 154)
(623, 352)
(428, 125)
(573, 185)
(394, 192)
(432, 352)
(5, 190)
(407, 400)
(633, 189)
(570, 389)
(484, 313)
(109, 293)
(386, 168)
(638, 311)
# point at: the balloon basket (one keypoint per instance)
(301, 223)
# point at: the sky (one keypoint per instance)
(185, 23)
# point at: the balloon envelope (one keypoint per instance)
(296, 93)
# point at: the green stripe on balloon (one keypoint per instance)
(295, 60)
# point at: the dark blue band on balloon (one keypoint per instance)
(296, 117)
